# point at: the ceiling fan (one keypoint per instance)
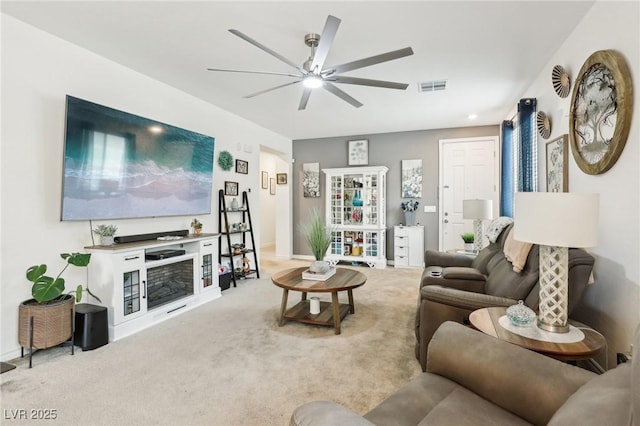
(312, 74)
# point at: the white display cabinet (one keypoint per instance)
(141, 287)
(355, 211)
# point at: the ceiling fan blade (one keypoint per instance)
(269, 90)
(368, 82)
(326, 40)
(255, 72)
(342, 95)
(366, 62)
(305, 98)
(266, 49)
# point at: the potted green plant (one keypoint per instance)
(106, 233)
(46, 320)
(318, 237)
(468, 238)
(197, 226)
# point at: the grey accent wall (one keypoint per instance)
(387, 149)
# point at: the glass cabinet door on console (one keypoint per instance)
(133, 288)
(356, 211)
(208, 270)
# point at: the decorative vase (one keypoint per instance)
(106, 240)
(468, 247)
(319, 266)
(234, 204)
(314, 305)
(357, 201)
(408, 218)
(198, 231)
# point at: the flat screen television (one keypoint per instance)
(119, 165)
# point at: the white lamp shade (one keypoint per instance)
(477, 209)
(562, 219)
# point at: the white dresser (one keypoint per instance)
(408, 246)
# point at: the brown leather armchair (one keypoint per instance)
(466, 284)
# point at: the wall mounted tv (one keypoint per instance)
(119, 165)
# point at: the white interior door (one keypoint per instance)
(469, 168)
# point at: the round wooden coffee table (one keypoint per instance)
(330, 313)
(486, 320)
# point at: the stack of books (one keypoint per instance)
(317, 276)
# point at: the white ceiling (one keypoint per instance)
(489, 52)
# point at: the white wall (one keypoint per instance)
(38, 70)
(612, 304)
(275, 213)
(268, 163)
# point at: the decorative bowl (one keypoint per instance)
(520, 314)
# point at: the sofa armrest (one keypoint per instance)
(462, 273)
(463, 299)
(528, 384)
(438, 258)
(326, 413)
(469, 285)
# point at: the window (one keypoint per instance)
(519, 155)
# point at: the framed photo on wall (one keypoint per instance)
(242, 167)
(230, 188)
(265, 180)
(359, 152)
(272, 186)
(281, 178)
(411, 178)
(311, 180)
(556, 154)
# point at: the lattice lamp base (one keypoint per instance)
(554, 289)
(478, 234)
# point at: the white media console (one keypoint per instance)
(145, 282)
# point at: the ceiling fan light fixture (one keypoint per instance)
(313, 74)
(312, 81)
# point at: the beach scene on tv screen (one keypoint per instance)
(118, 165)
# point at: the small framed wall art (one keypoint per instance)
(557, 154)
(411, 178)
(282, 178)
(272, 186)
(230, 188)
(242, 167)
(265, 180)
(359, 152)
(311, 180)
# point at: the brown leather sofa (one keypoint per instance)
(465, 284)
(474, 379)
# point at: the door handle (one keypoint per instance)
(446, 221)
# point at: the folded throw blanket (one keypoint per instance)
(516, 252)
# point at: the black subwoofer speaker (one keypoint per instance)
(92, 326)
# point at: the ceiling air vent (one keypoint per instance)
(432, 86)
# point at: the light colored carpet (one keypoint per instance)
(229, 363)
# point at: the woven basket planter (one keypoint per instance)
(52, 323)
